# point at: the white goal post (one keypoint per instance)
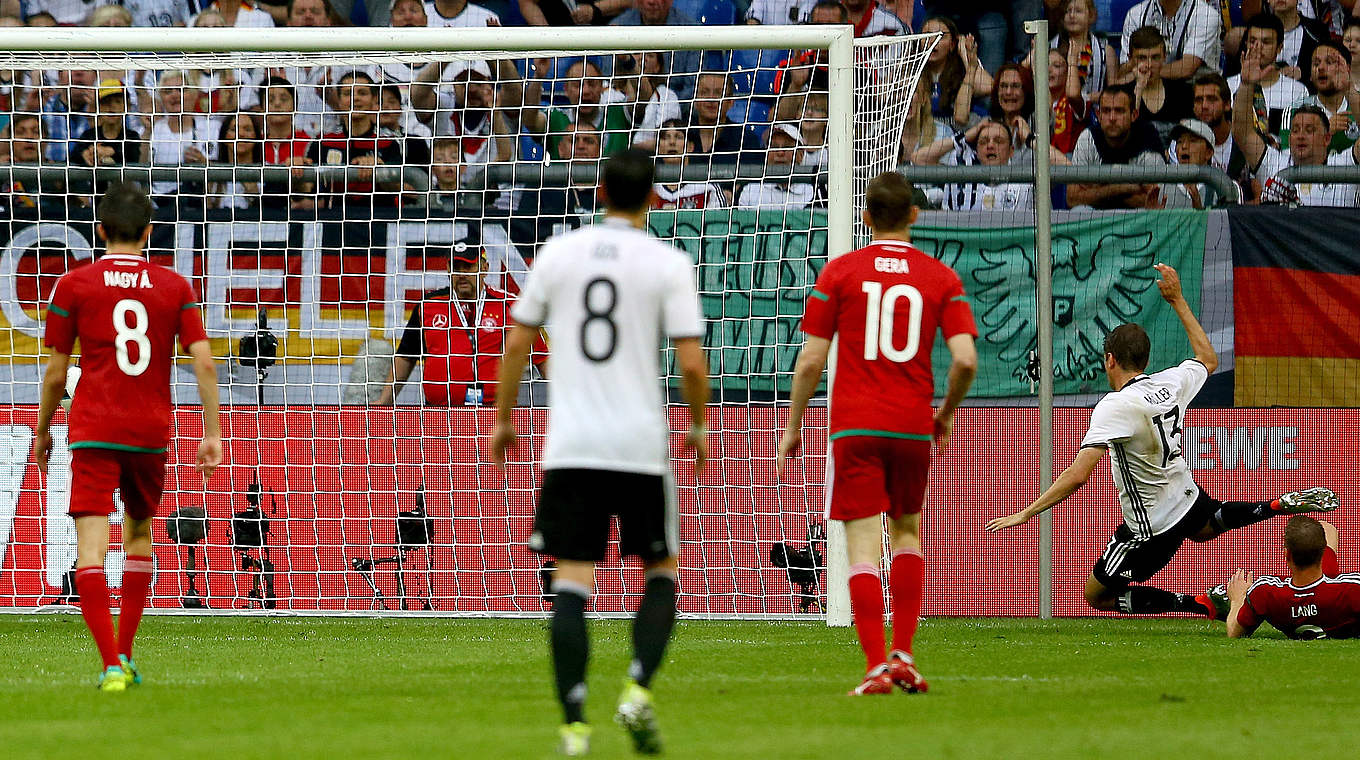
(868, 87)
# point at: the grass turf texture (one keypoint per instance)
(363, 688)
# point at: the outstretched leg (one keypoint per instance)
(1231, 515)
(1140, 600)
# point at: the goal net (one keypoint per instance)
(356, 219)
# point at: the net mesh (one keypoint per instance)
(317, 201)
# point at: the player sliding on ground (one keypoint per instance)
(1315, 601)
(1140, 424)
(125, 312)
(885, 302)
(609, 295)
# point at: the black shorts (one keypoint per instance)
(574, 507)
(1128, 559)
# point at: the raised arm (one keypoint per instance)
(1238, 586)
(1170, 285)
(1245, 136)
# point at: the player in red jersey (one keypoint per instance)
(125, 312)
(885, 302)
(1317, 601)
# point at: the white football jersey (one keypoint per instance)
(1141, 425)
(609, 295)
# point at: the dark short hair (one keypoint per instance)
(1311, 109)
(124, 212)
(1146, 38)
(888, 199)
(834, 4)
(1120, 89)
(1269, 21)
(1215, 79)
(1337, 46)
(627, 180)
(1130, 346)
(1305, 540)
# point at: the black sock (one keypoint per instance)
(570, 649)
(1238, 514)
(1149, 600)
(652, 628)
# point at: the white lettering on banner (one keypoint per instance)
(1228, 448)
(29, 237)
(310, 322)
(222, 279)
(15, 442)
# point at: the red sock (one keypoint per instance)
(94, 607)
(907, 582)
(136, 585)
(866, 603)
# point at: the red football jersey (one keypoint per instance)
(125, 311)
(1332, 604)
(885, 302)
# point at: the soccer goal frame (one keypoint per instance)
(501, 42)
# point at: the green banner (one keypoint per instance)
(756, 269)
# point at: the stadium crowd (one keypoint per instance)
(1249, 86)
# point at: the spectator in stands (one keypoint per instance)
(1117, 138)
(954, 72)
(1065, 96)
(568, 13)
(871, 19)
(158, 12)
(639, 87)
(1276, 93)
(790, 191)
(67, 111)
(1013, 96)
(776, 12)
(1098, 64)
(458, 333)
(443, 13)
(23, 140)
(1309, 134)
(446, 173)
(1191, 29)
(801, 72)
(1213, 107)
(63, 12)
(1331, 77)
(922, 127)
(241, 14)
(1161, 103)
(812, 126)
(467, 107)
(310, 13)
(1351, 41)
(661, 13)
(583, 87)
(711, 129)
(109, 142)
(358, 142)
(238, 143)
(672, 149)
(109, 16)
(990, 143)
(40, 19)
(1192, 144)
(396, 120)
(408, 13)
(285, 145)
(177, 138)
(1299, 36)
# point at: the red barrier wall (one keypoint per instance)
(339, 476)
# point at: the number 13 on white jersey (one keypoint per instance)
(879, 320)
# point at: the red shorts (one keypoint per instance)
(873, 476)
(95, 473)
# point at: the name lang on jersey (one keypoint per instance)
(126, 279)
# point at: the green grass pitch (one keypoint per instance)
(425, 688)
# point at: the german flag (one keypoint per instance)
(1296, 303)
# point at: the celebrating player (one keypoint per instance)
(1315, 602)
(608, 294)
(126, 313)
(885, 301)
(1140, 424)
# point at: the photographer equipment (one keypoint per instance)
(804, 566)
(415, 531)
(260, 350)
(250, 531)
(188, 526)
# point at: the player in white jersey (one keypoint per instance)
(609, 295)
(1140, 425)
